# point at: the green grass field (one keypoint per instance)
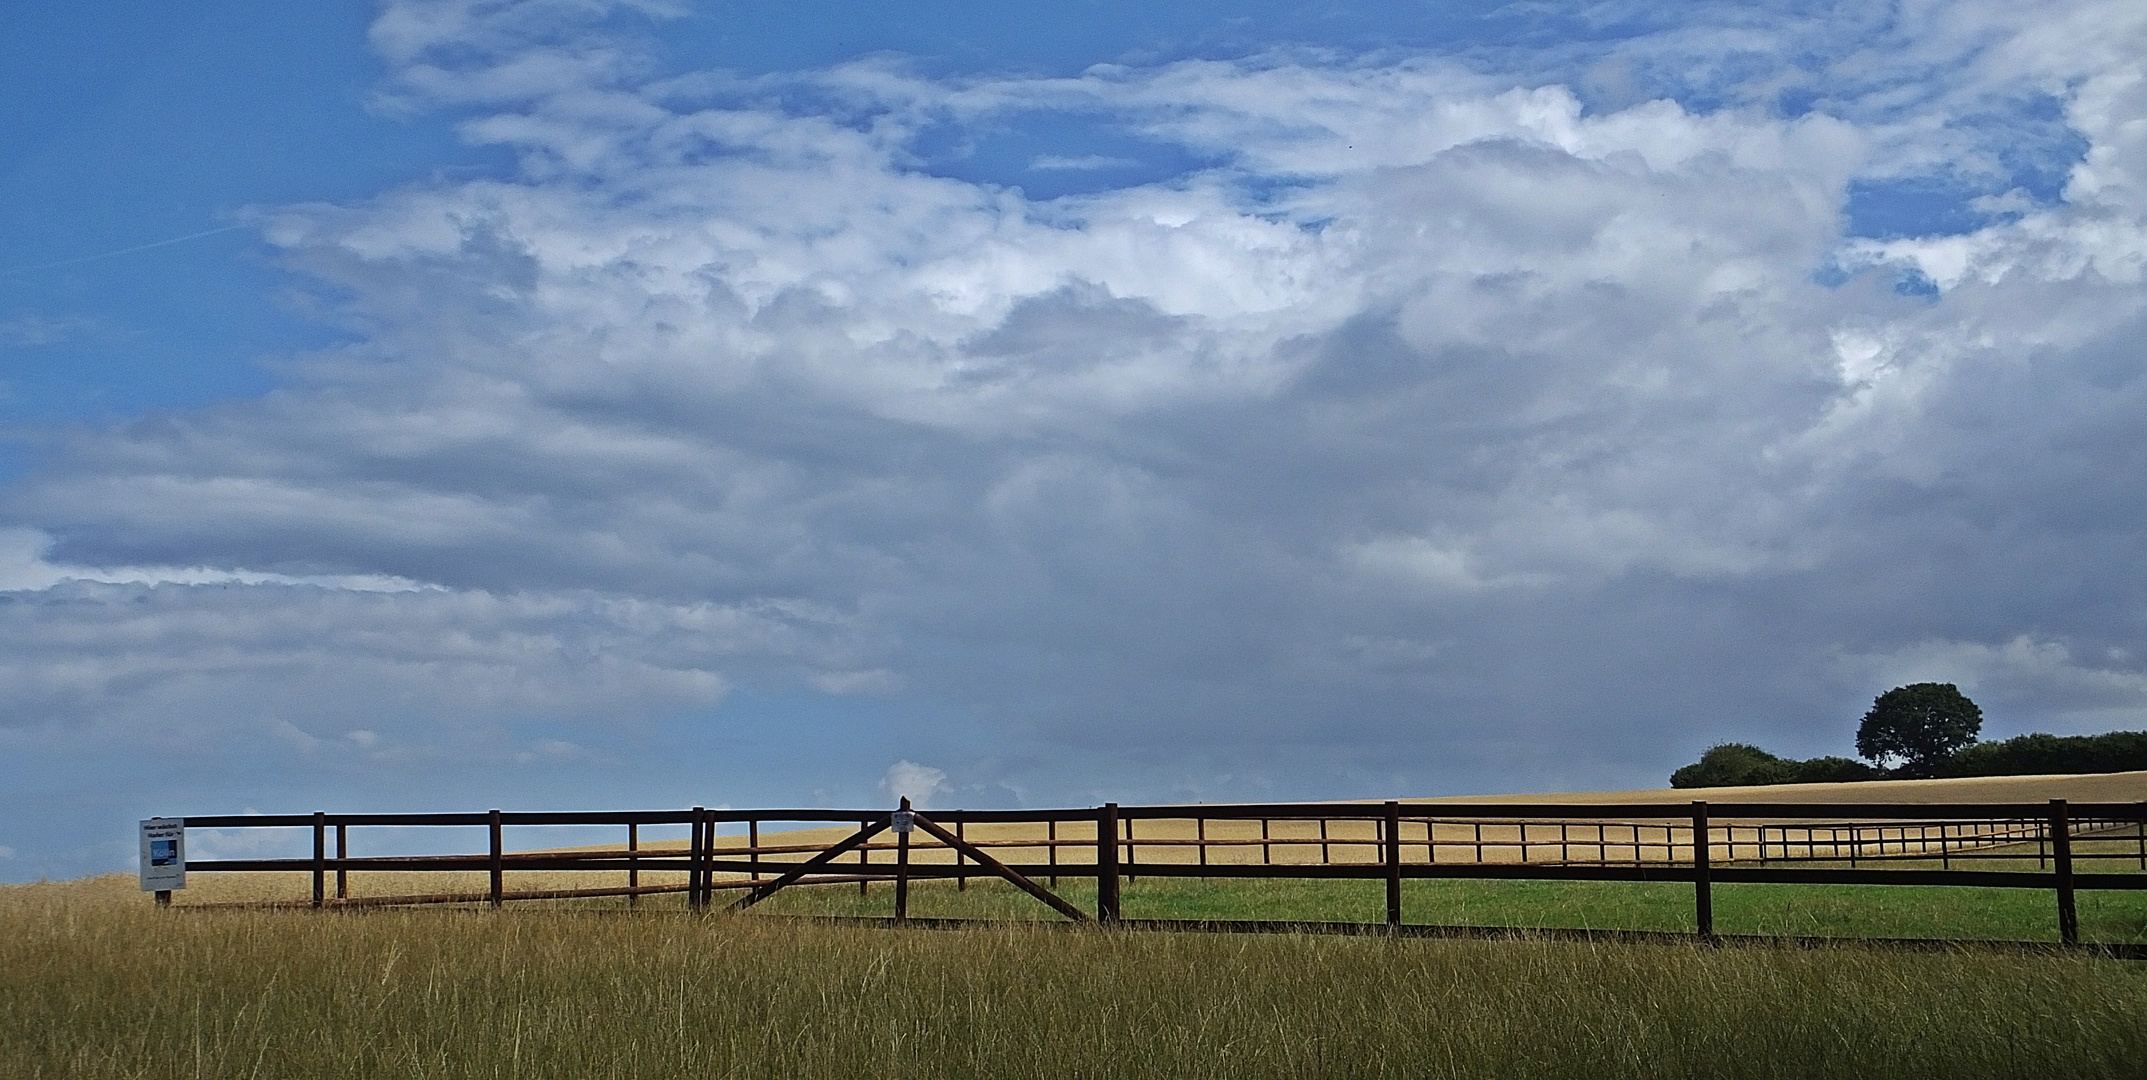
(1832, 911)
(101, 988)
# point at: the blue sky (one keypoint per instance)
(442, 404)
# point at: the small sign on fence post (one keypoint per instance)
(903, 821)
(163, 856)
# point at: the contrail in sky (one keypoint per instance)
(121, 251)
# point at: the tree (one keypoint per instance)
(1922, 724)
(1732, 765)
(1741, 764)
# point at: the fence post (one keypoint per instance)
(1703, 900)
(320, 857)
(342, 851)
(752, 842)
(499, 878)
(633, 861)
(1107, 864)
(708, 859)
(2061, 857)
(694, 840)
(1394, 862)
(1129, 851)
(864, 859)
(902, 870)
(961, 832)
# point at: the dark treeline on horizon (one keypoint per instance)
(1930, 729)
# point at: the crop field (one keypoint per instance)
(95, 984)
(95, 981)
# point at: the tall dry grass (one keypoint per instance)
(96, 984)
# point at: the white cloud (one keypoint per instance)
(875, 681)
(230, 657)
(918, 783)
(30, 331)
(2042, 674)
(1457, 418)
(549, 750)
(1081, 163)
(23, 567)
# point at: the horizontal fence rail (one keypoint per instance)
(2075, 846)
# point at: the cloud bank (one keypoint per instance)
(1460, 422)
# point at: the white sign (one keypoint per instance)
(903, 820)
(163, 854)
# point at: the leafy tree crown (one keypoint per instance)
(1922, 724)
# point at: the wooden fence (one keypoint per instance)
(1843, 844)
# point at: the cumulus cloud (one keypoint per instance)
(1542, 422)
(1083, 163)
(918, 783)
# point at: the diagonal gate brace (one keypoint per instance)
(762, 892)
(1003, 870)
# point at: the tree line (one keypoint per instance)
(1920, 731)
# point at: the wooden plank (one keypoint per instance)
(1056, 902)
(499, 877)
(1393, 838)
(767, 889)
(1703, 896)
(320, 858)
(708, 856)
(902, 871)
(1577, 812)
(2061, 858)
(1107, 864)
(1130, 853)
(695, 897)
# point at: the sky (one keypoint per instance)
(580, 404)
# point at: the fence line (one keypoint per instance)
(1390, 841)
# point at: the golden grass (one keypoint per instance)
(96, 989)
